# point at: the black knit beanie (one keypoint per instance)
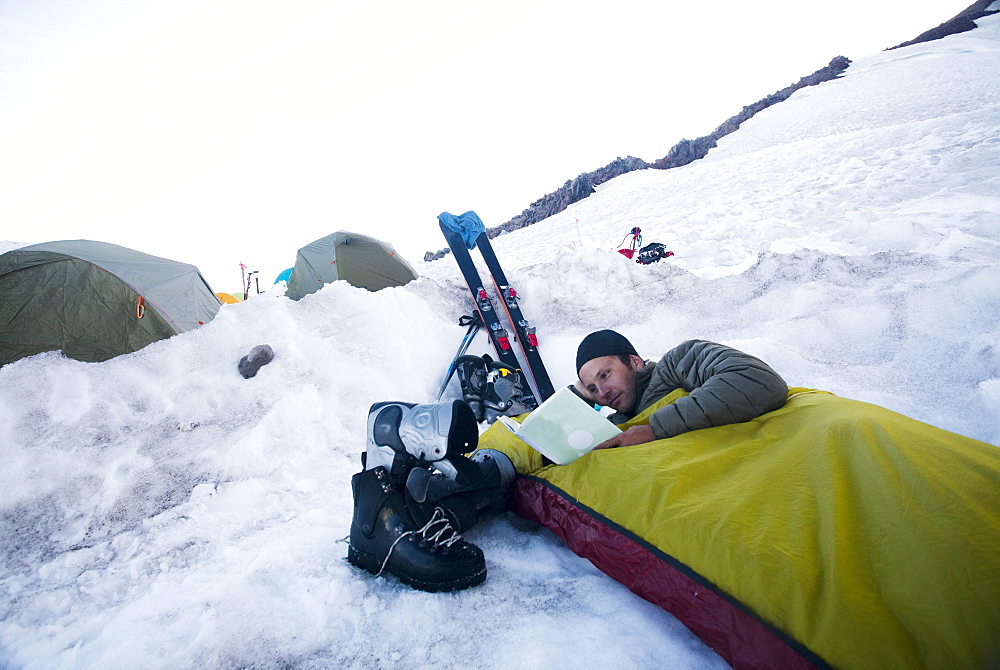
(602, 343)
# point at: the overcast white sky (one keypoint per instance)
(221, 131)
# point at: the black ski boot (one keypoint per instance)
(391, 532)
(468, 502)
(385, 538)
(472, 371)
(505, 393)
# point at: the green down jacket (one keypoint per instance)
(725, 386)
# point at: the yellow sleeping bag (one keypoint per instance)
(827, 532)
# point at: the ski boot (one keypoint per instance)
(417, 541)
(386, 538)
(505, 392)
(469, 502)
(472, 371)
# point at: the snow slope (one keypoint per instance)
(159, 511)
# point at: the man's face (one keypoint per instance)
(609, 382)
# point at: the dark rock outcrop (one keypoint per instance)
(960, 23)
(687, 151)
(555, 202)
(570, 192)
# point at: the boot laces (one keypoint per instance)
(438, 531)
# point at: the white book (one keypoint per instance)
(564, 427)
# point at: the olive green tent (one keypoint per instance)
(360, 260)
(95, 300)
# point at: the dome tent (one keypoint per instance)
(283, 275)
(95, 300)
(360, 260)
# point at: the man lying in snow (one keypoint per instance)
(785, 527)
(726, 386)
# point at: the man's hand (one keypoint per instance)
(634, 435)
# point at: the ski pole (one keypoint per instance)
(474, 323)
(466, 342)
(246, 290)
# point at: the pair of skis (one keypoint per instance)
(524, 334)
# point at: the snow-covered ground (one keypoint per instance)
(159, 511)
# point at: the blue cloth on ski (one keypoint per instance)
(468, 225)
